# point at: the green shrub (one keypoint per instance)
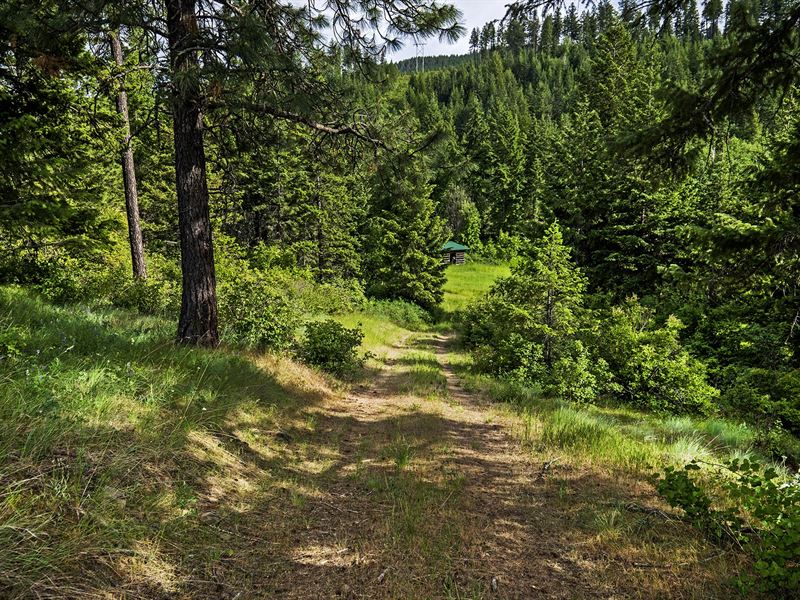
(332, 347)
(752, 509)
(573, 379)
(332, 298)
(650, 369)
(764, 395)
(154, 295)
(254, 316)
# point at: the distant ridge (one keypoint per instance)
(442, 61)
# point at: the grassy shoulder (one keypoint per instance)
(120, 450)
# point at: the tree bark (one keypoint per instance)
(198, 319)
(128, 171)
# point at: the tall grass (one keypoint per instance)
(380, 336)
(99, 418)
(618, 437)
(465, 283)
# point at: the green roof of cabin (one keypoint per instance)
(453, 247)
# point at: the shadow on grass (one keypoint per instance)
(132, 468)
(96, 400)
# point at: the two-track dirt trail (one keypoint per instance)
(464, 518)
(410, 486)
(416, 488)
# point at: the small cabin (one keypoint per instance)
(453, 254)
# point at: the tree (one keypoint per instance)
(477, 142)
(533, 32)
(506, 172)
(475, 40)
(712, 11)
(54, 164)
(572, 25)
(529, 322)
(198, 318)
(547, 40)
(404, 235)
(515, 35)
(463, 217)
(128, 167)
(488, 35)
(551, 281)
(215, 64)
(558, 24)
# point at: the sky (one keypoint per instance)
(476, 13)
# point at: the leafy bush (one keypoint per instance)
(573, 378)
(650, 369)
(154, 295)
(104, 280)
(66, 279)
(753, 509)
(331, 346)
(334, 297)
(767, 396)
(255, 316)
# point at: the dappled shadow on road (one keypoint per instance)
(393, 496)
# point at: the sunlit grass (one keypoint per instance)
(465, 283)
(107, 430)
(380, 335)
(612, 436)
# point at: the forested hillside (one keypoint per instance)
(260, 174)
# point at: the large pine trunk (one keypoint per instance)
(128, 171)
(198, 319)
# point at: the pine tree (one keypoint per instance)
(548, 40)
(691, 23)
(572, 25)
(488, 36)
(475, 40)
(558, 25)
(548, 281)
(128, 166)
(712, 11)
(527, 327)
(403, 235)
(477, 141)
(533, 33)
(506, 172)
(515, 35)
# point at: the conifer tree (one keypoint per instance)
(404, 235)
(572, 25)
(547, 40)
(527, 326)
(533, 32)
(474, 40)
(506, 172)
(712, 11)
